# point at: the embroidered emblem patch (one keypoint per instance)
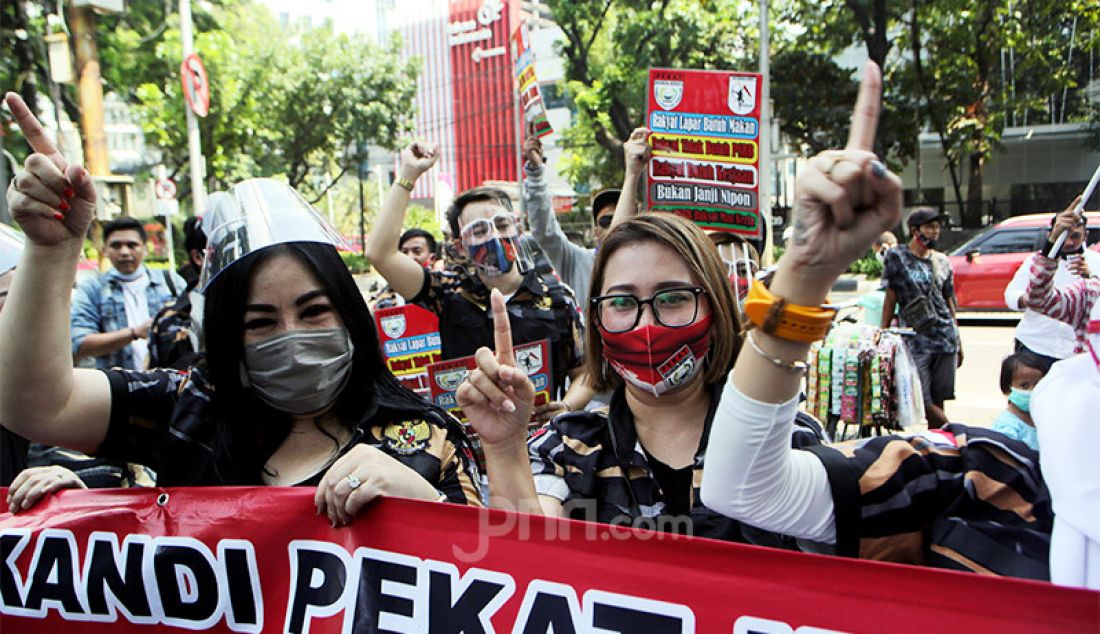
(407, 437)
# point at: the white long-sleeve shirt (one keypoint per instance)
(1038, 332)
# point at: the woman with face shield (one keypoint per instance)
(293, 390)
(664, 333)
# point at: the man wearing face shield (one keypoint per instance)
(741, 259)
(488, 234)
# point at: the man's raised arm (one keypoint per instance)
(401, 272)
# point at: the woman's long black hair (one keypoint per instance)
(247, 430)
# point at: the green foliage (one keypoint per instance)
(355, 262)
(303, 104)
(610, 46)
(299, 104)
(942, 61)
(867, 265)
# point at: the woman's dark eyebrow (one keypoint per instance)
(305, 297)
(630, 288)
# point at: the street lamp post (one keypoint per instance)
(362, 214)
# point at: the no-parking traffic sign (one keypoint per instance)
(196, 85)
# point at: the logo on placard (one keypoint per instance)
(393, 326)
(742, 97)
(668, 93)
(449, 380)
(530, 359)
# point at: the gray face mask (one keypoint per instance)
(301, 371)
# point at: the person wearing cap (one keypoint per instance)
(112, 313)
(572, 261)
(293, 389)
(488, 234)
(920, 287)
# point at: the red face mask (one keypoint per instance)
(740, 286)
(656, 358)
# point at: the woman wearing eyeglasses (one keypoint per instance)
(663, 333)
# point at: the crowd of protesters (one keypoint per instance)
(677, 383)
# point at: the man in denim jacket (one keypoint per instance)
(112, 313)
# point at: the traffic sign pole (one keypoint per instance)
(166, 205)
(194, 146)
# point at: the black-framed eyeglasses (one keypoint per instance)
(604, 222)
(672, 307)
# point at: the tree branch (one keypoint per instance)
(332, 183)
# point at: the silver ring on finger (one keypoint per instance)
(354, 482)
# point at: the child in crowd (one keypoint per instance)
(1020, 373)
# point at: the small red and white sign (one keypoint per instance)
(196, 85)
(165, 189)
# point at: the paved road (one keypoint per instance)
(978, 397)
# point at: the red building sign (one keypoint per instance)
(483, 90)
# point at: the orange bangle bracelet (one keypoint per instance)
(774, 316)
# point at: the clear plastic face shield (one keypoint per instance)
(255, 214)
(11, 248)
(494, 245)
(740, 268)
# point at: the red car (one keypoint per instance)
(985, 264)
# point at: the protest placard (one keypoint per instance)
(444, 377)
(530, 95)
(705, 135)
(409, 336)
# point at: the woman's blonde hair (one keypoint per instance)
(701, 258)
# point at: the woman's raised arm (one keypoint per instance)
(844, 200)
(41, 396)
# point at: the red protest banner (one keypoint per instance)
(232, 559)
(445, 377)
(705, 134)
(410, 341)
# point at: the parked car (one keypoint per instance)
(985, 264)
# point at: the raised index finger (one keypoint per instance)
(32, 130)
(861, 136)
(502, 330)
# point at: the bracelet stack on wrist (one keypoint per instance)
(793, 367)
(405, 183)
(133, 334)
